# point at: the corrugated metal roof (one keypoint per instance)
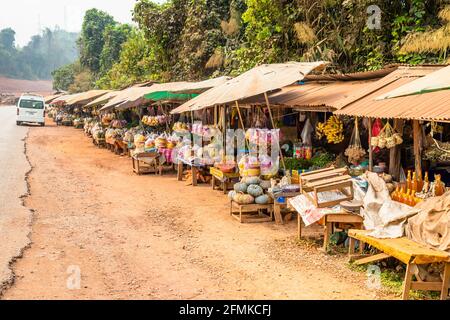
(102, 99)
(261, 79)
(85, 97)
(314, 96)
(427, 106)
(438, 80)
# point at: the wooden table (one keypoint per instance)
(278, 207)
(194, 168)
(330, 220)
(251, 213)
(409, 252)
(223, 178)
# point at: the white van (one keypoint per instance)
(31, 108)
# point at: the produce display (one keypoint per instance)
(180, 127)
(118, 124)
(333, 130)
(250, 190)
(387, 138)
(437, 151)
(156, 121)
(320, 160)
(107, 118)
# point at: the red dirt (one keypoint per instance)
(152, 237)
(18, 86)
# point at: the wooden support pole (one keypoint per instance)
(417, 135)
(395, 152)
(274, 127)
(240, 115)
(370, 146)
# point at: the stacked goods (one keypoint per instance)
(118, 124)
(333, 130)
(97, 132)
(107, 118)
(262, 136)
(250, 190)
(387, 138)
(78, 123)
(180, 127)
(155, 121)
(206, 131)
(139, 141)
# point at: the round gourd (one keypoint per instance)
(264, 199)
(255, 190)
(240, 187)
(265, 184)
(231, 194)
(242, 198)
(251, 180)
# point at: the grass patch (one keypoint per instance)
(392, 281)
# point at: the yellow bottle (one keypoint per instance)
(419, 182)
(415, 183)
(408, 181)
(395, 194)
(438, 186)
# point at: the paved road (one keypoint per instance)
(15, 220)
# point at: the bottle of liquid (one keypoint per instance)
(405, 196)
(408, 181)
(395, 194)
(438, 186)
(411, 199)
(415, 183)
(419, 182)
(426, 182)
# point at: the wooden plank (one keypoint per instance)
(317, 171)
(343, 178)
(344, 218)
(402, 249)
(320, 175)
(427, 286)
(407, 282)
(376, 257)
(445, 282)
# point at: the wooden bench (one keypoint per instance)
(407, 251)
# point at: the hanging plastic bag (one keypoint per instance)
(355, 151)
(306, 134)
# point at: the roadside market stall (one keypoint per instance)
(409, 215)
(259, 81)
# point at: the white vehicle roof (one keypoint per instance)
(31, 96)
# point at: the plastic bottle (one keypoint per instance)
(408, 181)
(419, 182)
(415, 183)
(395, 194)
(438, 187)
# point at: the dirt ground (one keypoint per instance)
(152, 237)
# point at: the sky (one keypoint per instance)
(27, 17)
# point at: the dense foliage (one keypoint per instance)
(196, 39)
(43, 54)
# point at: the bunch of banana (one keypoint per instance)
(333, 129)
(319, 130)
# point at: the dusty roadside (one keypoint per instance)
(15, 219)
(151, 237)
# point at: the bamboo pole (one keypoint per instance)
(417, 134)
(240, 115)
(370, 146)
(273, 126)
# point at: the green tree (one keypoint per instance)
(114, 37)
(7, 39)
(63, 77)
(92, 39)
(137, 63)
